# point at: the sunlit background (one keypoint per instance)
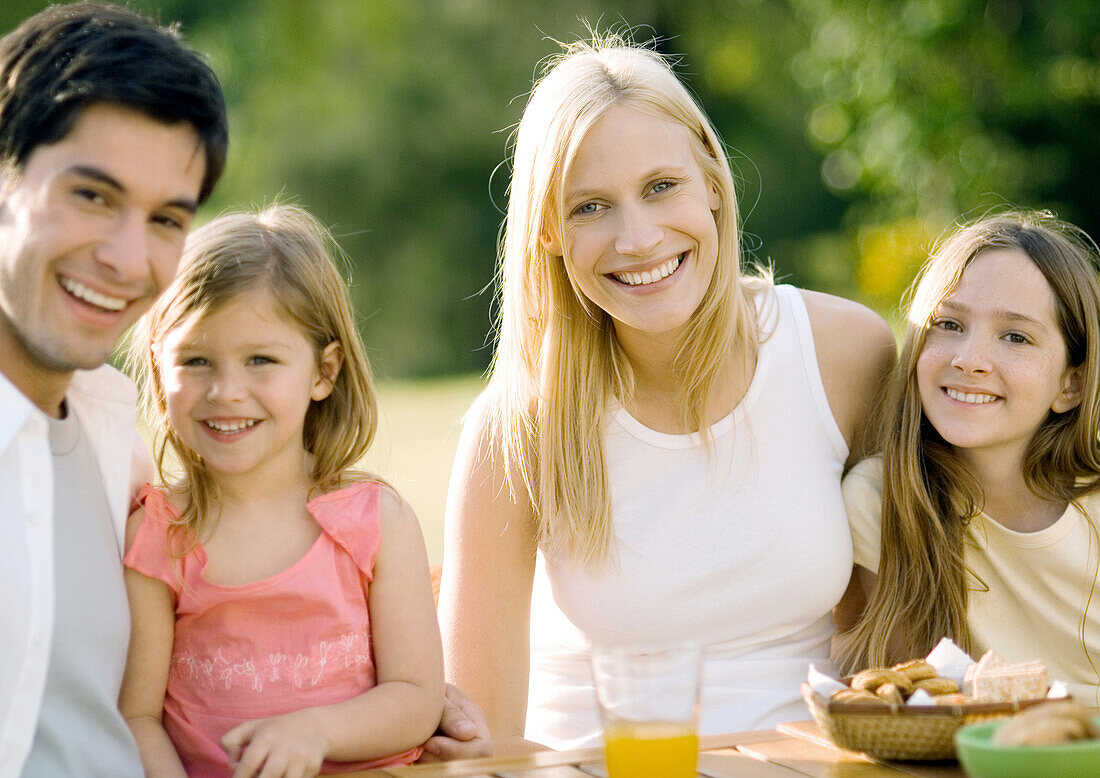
(859, 131)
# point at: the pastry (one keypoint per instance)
(857, 695)
(936, 686)
(950, 699)
(875, 677)
(891, 693)
(916, 669)
(1048, 723)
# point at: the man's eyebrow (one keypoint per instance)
(96, 174)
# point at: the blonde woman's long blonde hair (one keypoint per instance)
(283, 249)
(558, 362)
(928, 494)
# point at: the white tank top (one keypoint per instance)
(745, 550)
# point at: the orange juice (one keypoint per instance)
(650, 750)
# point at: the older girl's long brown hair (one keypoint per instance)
(928, 494)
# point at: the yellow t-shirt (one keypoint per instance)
(1038, 583)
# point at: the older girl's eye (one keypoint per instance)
(194, 362)
(947, 324)
(1017, 338)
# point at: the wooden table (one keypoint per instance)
(793, 749)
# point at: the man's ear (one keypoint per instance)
(332, 359)
(1070, 396)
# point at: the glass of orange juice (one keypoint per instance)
(649, 703)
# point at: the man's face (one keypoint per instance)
(91, 231)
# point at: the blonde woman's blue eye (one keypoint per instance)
(662, 186)
(587, 208)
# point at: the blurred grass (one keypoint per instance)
(419, 424)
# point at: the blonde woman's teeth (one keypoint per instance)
(77, 289)
(230, 426)
(650, 276)
(969, 397)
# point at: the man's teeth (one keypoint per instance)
(77, 289)
(230, 426)
(974, 399)
(650, 276)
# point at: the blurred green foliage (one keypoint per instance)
(859, 131)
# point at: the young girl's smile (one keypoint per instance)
(994, 362)
(238, 382)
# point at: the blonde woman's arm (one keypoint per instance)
(485, 599)
(856, 352)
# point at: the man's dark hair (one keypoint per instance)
(67, 57)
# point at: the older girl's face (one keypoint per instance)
(639, 238)
(994, 362)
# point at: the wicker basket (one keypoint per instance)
(913, 733)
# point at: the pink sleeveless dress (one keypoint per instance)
(298, 639)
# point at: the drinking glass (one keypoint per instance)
(649, 705)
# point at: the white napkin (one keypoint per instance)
(920, 697)
(1058, 691)
(823, 684)
(950, 661)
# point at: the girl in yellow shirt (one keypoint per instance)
(987, 492)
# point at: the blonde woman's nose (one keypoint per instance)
(638, 233)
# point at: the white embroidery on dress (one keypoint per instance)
(229, 668)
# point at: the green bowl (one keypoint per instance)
(981, 758)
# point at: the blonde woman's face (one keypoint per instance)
(639, 237)
(994, 362)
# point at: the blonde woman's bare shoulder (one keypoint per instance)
(856, 351)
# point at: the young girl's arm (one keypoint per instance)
(152, 632)
(402, 711)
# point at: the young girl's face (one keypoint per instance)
(238, 382)
(994, 362)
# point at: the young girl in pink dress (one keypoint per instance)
(283, 620)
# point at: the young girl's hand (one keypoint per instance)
(287, 746)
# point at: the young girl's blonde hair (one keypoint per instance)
(284, 250)
(928, 493)
(558, 361)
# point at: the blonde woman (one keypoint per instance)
(980, 516)
(658, 454)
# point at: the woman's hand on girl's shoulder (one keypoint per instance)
(856, 352)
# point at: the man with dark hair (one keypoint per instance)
(112, 132)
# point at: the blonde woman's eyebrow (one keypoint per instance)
(662, 171)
